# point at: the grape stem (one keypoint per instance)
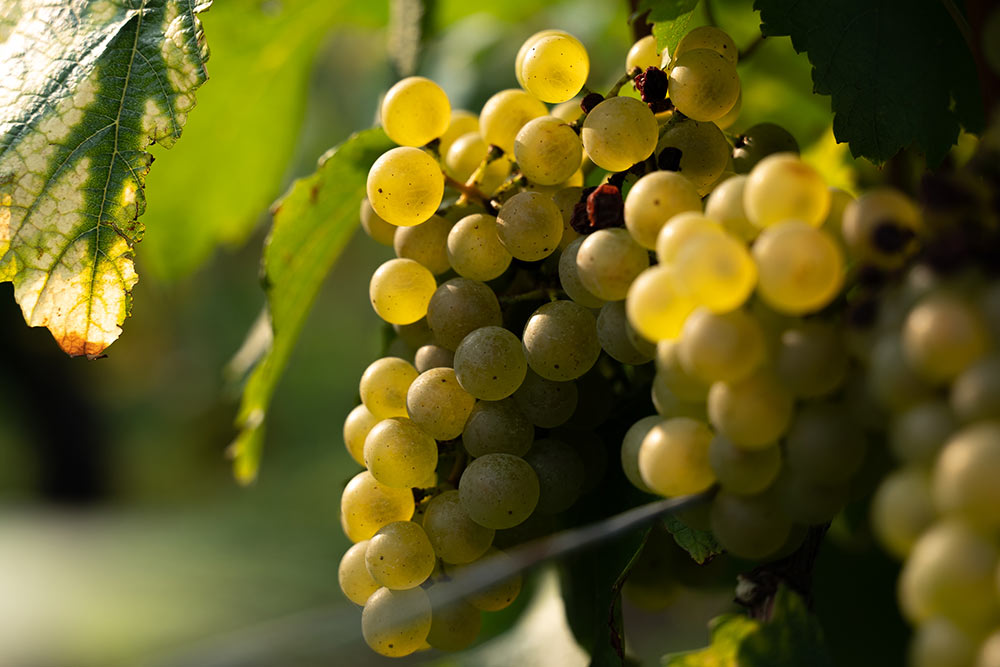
(469, 192)
(757, 589)
(539, 294)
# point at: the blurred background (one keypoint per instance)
(123, 538)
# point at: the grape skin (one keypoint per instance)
(405, 186)
(414, 111)
(560, 341)
(655, 199)
(619, 132)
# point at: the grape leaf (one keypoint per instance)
(312, 223)
(86, 88)
(670, 19)
(898, 72)
(700, 544)
(791, 638)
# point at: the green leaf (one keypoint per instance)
(898, 72)
(312, 223)
(700, 544)
(791, 638)
(86, 88)
(670, 19)
(239, 145)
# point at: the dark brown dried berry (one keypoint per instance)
(890, 237)
(590, 101)
(661, 106)
(652, 85)
(670, 159)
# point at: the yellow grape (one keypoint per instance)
(462, 122)
(725, 205)
(396, 623)
(356, 427)
(530, 226)
(405, 186)
(399, 453)
(709, 37)
(400, 291)
(682, 229)
(654, 199)
(608, 261)
(378, 229)
(717, 271)
(366, 505)
(555, 67)
(643, 54)
(800, 268)
(782, 187)
(399, 555)
(474, 249)
(547, 150)
(414, 111)
(526, 46)
(656, 308)
(355, 581)
(505, 114)
(697, 150)
(703, 85)
(384, 385)
(673, 457)
(619, 132)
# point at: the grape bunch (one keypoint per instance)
(546, 256)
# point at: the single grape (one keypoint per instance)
(569, 276)
(882, 228)
(505, 114)
(352, 574)
(619, 132)
(800, 268)
(497, 427)
(608, 261)
(526, 46)
(490, 363)
(782, 187)
(708, 37)
(461, 122)
(655, 307)
(673, 457)
(681, 231)
(613, 334)
(375, 227)
(655, 199)
(823, 445)
(975, 394)
(630, 450)
(643, 54)
(671, 372)
(384, 385)
(529, 226)
(942, 336)
(466, 155)
(704, 84)
(545, 403)
(433, 356)
(966, 473)
(396, 623)
(748, 526)
(356, 427)
(560, 474)
(455, 626)
(811, 359)
(741, 471)
(400, 290)
(720, 348)
(699, 151)
(405, 186)
(459, 307)
(725, 205)
(555, 67)
(547, 150)
(366, 505)
(499, 490)
(753, 412)
(716, 270)
(400, 556)
(902, 510)
(456, 538)
(918, 434)
(560, 341)
(399, 453)
(425, 243)
(760, 141)
(438, 404)
(474, 249)
(414, 111)
(567, 111)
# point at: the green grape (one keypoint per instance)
(555, 67)
(399, 453)
(655, 199)
(804, 501)
(366, 505)
(425, 243)
(708, 37)
(474, 249)
(498, 596)
(720, 348)
(753, 412)
(673, 457)
(400, 556)
(823, 445)
(975, 394)
(643, 54)
(438, 404)
(529, 226)
(782, 187)
(400, 290)
(356, 427)
(566, 199)
(703, 84)
(697, 150)
(890, 378)
(461, 123)
(989, 650)
(760, 141)
(671, 372)
(352, 574)
(630, 450)
(716, 270)
(619, 132)
(455, 626)
(544, 402)
(918, 433)
(396, 623)
(950, 572)
(937, 642)
(882, 228)
(465, 156)
(811, 359)
(942, 336)
(505, 114)
(656, 309)
(375, 227)
(669, 405)
(456, 538)
(560, 474)
(725, 205)
(608, 261)
(414, 111)
(433, 356)
(497, 427)
(560, 341)
(741, 471)
(681, 231)
(384, 385)
(966, 473)
(800, 269)
(613, 335)
(902, 510)
(459, 307)
(569, 276)
(748, 526)
(833, 224)
(405, 186)
(490, 363)
(547, 150)
(499, 490)
(727, 121)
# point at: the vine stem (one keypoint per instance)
(469, 191)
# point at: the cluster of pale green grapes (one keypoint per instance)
(721, 261)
